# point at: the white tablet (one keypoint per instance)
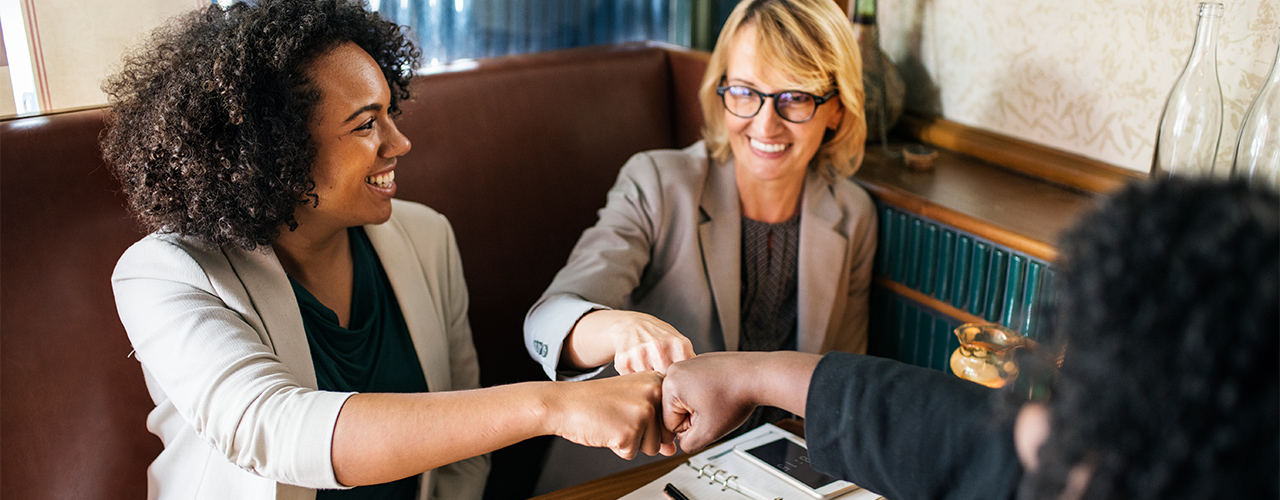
(788, 458)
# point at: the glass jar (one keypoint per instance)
(986, 354)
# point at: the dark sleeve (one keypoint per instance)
(908, 432)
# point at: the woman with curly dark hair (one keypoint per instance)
(1169, 309)
(1168, 318)
(298, 328)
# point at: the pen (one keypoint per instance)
(674, 493)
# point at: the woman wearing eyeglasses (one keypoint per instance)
(753, 239)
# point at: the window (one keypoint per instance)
(59, 52)
(18, 88)
(449, 30)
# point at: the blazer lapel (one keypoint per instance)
(720, 237)
(822, 249)
(426, 327)
(268, 287)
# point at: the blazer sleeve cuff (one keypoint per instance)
(313, 441)
(546, 328)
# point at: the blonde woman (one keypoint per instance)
(753, 239)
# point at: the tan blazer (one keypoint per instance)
(668, 243)
(220, 338)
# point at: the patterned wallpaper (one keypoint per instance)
(1088, 77)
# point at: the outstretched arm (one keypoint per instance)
(384, 437)
(705, 397)
(574, 325)
(633, 341)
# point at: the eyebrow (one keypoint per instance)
(368, 107)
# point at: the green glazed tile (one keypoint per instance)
(941, 356)
(1030, 298)
(946, 261)
(915, 239)
(1011, 305)
(952, 344)
(978, 277)
(928, 259)
(960, 274)
(884, 241)
(995, 284)
(899, 248)
(924, 328)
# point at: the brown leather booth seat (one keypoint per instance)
(517, 151)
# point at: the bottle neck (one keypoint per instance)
(1205, 48)
(863, 12)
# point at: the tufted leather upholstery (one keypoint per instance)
(517, 151)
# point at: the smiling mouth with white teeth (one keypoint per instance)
(768, 148)
(382, 180)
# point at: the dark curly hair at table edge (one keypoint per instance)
(207, 130)
(1169, 304)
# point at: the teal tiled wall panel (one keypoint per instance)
(907, 331)
(957, 268)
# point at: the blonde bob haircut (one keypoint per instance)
(811, 44)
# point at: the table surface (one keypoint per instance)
(616, 485)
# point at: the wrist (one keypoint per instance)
(544, 409)
(784, 380)
(590, 342)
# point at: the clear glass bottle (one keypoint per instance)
(1191, 126)
(1258, 149)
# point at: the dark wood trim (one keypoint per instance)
(1050, 164)
(927, 301)
(1011, 209)
(1009, 239)
(938, 305)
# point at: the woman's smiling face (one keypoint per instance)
(766, 147)
(356, 141)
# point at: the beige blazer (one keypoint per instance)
(668, 243)
(220, 338)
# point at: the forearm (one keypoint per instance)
(384, 437)
(633, 341)
(782, 379)
(588, 345)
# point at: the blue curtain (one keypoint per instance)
(448, 30)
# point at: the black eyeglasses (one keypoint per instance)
(792, 105)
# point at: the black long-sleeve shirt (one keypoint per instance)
(908, 432)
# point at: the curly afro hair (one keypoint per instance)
(1168, 305)
(207, 130)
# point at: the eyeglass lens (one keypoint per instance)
(745, 102)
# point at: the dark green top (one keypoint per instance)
(375, 354)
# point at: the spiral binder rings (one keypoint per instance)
(727, 482)
(719, 474)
